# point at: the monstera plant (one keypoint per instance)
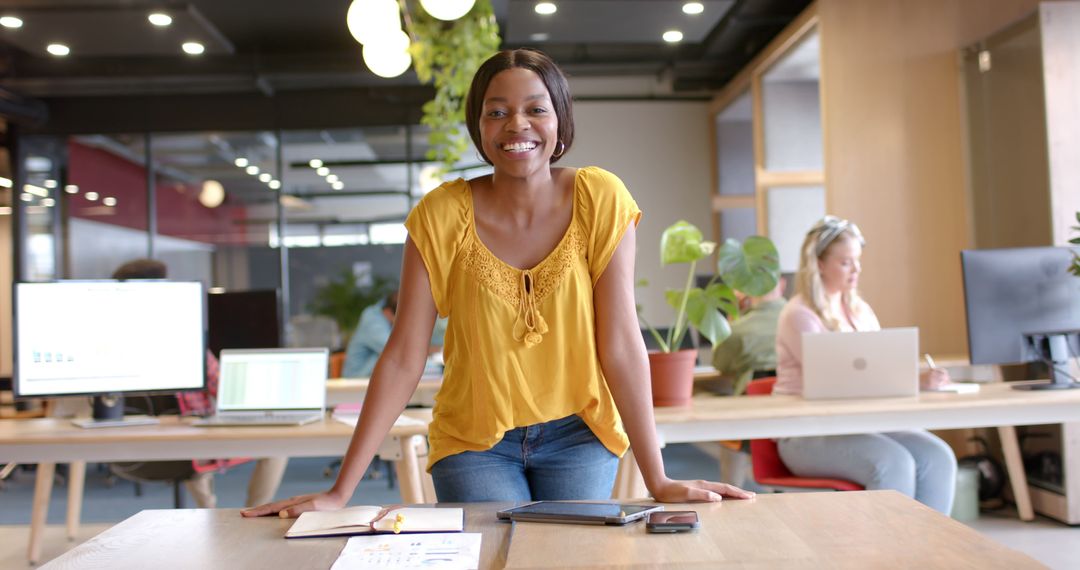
(751, 267)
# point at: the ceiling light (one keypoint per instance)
(389, 57)
(265, 177)
(48, 202)
(159, 19)
(315, 163)
(252, 170)
(338, 185)
(5, 210)
(322, 171)
(545, 8)
(10, 22)
(35, 190)
(71, 189)
(25, 197)
(50, 183)
(59, 50)
(212, 194)
(274, 184)
(672, 36)
(540, 37)
(193, 48)
(332, 178)
(241, 162)
(6, 182)
(109, 201)
(693, 8)
(372, 20)
(92, 196)
(447, 10)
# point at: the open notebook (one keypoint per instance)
(376, 520)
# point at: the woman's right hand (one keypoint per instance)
(293, 506)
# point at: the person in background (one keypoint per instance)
(369, 339)
(916, 462)
(372, 332)
(547, 378)
(751, 348)
(266, 478)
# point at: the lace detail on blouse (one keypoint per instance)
(525, 289)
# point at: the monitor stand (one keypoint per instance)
(109, 412)
(1057, 345)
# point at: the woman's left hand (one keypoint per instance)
(675, 491)
(934, 379)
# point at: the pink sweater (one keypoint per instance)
(797, 318)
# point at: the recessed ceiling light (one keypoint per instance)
(50, 183)
(48, 202)
(252, 170)
(315, 163)
(25, 197)
(545, 8)
(332, 178)
(540, 37)
(274, 184)
(109, 201)
(241, 162)
(159, 19)
(92, 196)
(10, 22)
(672, 36)
(338, 185)
(6, 182)
(693, 8)
(193, 48)
(71, 189)
(59, 50)
(322, 171)
(265, 177)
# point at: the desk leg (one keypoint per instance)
(629, 484)
(1014, 464)
(408, 472)
(39, 512)
(76, 482)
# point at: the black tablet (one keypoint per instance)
(578, 512)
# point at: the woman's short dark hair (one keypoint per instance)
(141, 269)
(537, 62)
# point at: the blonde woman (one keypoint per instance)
(916, 463)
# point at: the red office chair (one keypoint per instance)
(769, 469)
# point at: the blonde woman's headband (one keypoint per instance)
(829, 228)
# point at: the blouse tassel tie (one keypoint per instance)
(530, 325)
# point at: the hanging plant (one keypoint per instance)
(447, 54)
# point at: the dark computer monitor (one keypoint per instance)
(108, 338)
(242, 319)
(1023, 306)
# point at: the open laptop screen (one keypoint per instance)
(272, 379)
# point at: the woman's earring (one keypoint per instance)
(560, 148)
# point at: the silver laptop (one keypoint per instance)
(279, 386)
(874, 364)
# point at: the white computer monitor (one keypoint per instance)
(108, 337)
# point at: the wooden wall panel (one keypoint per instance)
(894, 159)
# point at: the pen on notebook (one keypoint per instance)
(930, 361)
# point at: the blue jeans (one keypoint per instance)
(556, 460)
(916, 463)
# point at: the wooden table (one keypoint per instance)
(49, 441)
(860, 529)
(711, 418)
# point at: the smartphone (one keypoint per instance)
(672, 521)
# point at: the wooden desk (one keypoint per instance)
(52, 440)
(352, 390)
(711, 418)
(862, 529)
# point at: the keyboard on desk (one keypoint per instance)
(257, 420)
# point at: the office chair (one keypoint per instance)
(769, 469)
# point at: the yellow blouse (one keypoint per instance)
(520, 345)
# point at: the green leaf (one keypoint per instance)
(752, 267)
(703, 312)
(724, 299)
(682, 243)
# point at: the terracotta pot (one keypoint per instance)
(672, 377)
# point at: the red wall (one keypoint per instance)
(179, 212)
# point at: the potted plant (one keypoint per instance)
(342, 299)
(751, 267)
(1075, 267)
